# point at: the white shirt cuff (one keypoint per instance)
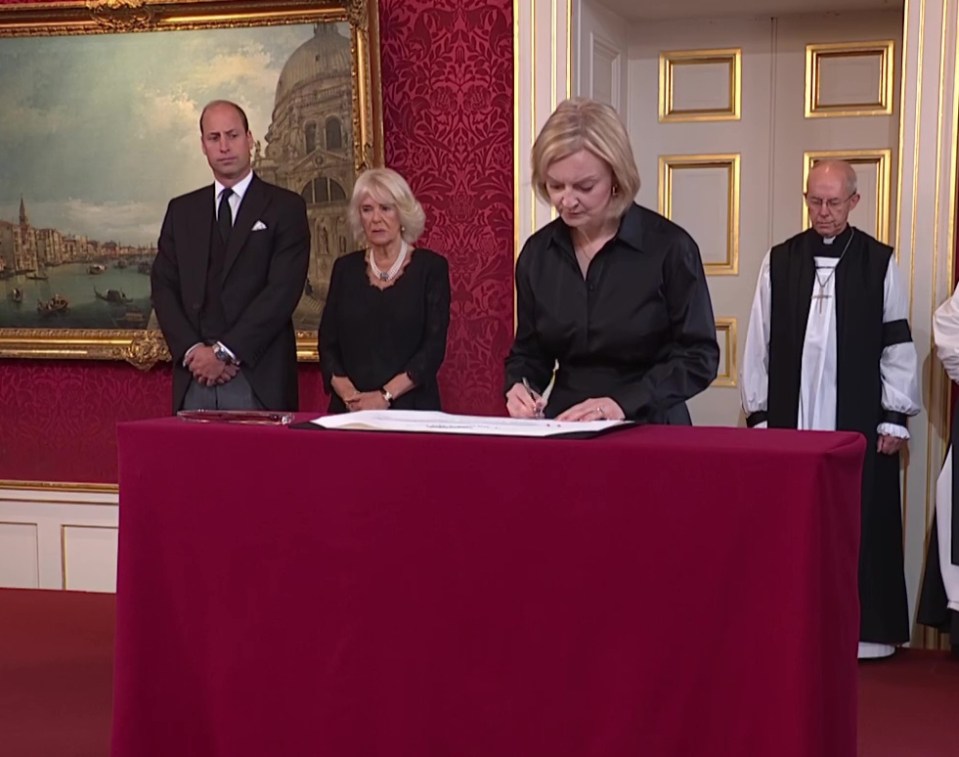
(187, 353)
(893, 429)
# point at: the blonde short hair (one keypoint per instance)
(583, 124)
(386, 186)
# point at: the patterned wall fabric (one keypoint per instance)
(448, 90)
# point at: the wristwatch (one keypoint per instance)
(220, 353)
(387, 395)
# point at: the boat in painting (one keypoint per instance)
(56, 304)
(115, 296)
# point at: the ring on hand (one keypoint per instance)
(601, 413)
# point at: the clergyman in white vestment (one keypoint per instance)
(829, 347)
(939, 601)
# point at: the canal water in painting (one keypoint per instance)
(78, 296)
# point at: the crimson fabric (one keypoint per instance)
(659, 591)
(447, 77)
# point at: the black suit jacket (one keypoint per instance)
(263, 277)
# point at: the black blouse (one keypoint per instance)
(371, 334)
(638, 329)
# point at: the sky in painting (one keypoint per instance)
(99, 132)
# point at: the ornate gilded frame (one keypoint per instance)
(144, 347)
(671, 61)
(884, 53)
(730, 162)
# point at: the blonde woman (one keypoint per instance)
(611, 292)
(382, 337)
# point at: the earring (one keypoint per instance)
(615, 190)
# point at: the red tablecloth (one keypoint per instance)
(656, 592)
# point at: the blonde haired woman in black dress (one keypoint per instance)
(382, 336)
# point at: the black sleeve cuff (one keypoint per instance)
(754, 419)
(891, 416)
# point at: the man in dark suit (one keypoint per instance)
(224, 290)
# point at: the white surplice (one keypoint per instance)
(898, 364)
(817, 394)
(945, 330)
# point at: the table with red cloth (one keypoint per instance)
(653, 592)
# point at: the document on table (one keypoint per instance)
(430, 422)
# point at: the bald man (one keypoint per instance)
(829, 348)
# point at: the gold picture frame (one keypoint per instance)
(726, 329)
(673, 60)
(88, 56)
(883, 51)
(730, 163)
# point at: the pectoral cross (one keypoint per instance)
(821, 296)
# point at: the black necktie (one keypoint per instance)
(224, 216)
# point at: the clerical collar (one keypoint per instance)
(832, 247)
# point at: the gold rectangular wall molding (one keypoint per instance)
(673, 62)
(726, 336)
(878, 103)
(669, 164)
(65, 528)
(880, 161)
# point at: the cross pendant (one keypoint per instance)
(821, 296)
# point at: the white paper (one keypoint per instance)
(430, 422)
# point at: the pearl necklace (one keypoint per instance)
(394, 269)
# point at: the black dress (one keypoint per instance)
(371, 334)
(638, 329)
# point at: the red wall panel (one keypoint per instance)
(447, 101)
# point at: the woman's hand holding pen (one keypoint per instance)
(524, 402)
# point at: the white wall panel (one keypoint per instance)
(19, 568)
(89, 558)
(58, 538)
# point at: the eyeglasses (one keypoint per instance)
(832, 203)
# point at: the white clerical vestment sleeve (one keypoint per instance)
(754, 376)
(945, 331)
(899, 364)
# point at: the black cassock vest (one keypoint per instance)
(861, 334)
(861, 337)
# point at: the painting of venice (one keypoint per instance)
(101, 131)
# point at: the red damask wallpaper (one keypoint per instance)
(447, 95)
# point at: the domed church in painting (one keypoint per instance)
(309, 150)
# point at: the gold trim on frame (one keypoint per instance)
(669, 60)
(729, 161)
(60, 487)
(63, 545)
(145, 348)
(730, 377)
(881, 106)
(881, 158)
